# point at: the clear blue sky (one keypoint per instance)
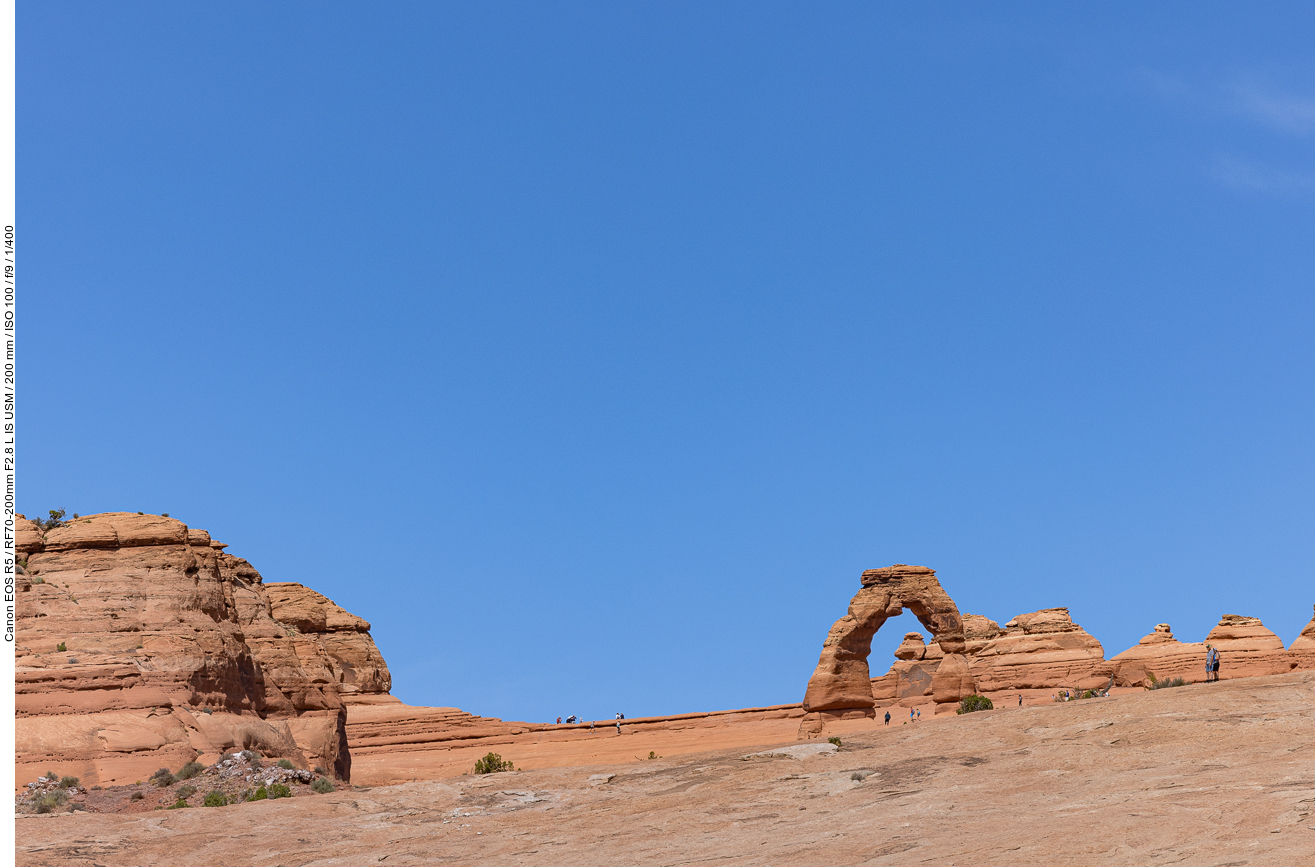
(592, 351)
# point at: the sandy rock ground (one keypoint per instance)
(1206, 774)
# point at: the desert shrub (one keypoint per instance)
(259, 794)
(492, 764)
(187, 791)
(51, 775)
(835, 741)
(61, 647)
(179, 804)
(56, 519)
(278, 790)
(68, 782)
(189, 770)
(973, 703)
(321, 786)
(286, 765)
(136, 796)
(1166, 683)
(216, 799)
(37, 579)
(49, 801)
(319, 770)
(163, 778)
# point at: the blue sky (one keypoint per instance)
(591, 351)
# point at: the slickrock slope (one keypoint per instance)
(141, 644)
(1211, 774)
(393, 742)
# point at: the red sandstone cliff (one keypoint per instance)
(142, 644)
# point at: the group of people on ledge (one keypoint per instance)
(573, 719)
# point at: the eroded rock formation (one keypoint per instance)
(1041, 650)
(142, 644)
(841, 686)
(1246, 649)
(1303, 649)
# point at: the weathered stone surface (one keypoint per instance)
(171, 652)
(978, 631)
(841, 686)
(1041, 650)
(355, 663)
(1201, 776)
(952, 681)
(1246, 649)
(1303, 648)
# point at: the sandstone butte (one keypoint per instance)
(175, 650)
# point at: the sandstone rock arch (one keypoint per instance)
(841, 685)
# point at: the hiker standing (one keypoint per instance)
(1214, 668)
(1209, 663)
(887, 717)
(619, 717)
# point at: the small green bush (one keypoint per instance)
(974, 703)
(68, 782)
(162, 780)
(320, 770)
(286, 765)
(492, 764)
(1166, 684)
(187, 791)
(321, 786)
(216, 799)
(48, 802)
(835, 741)
(259, 795)
(278, 790)
(37, 579)
(189, 770)
(51, 775)
(179, 804)
(61, 647)
(136, 796)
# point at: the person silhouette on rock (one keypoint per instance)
(887, 717)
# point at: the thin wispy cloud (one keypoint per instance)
(1282, 111)
(1250, 176)
(1249, 96)
(1255, 99)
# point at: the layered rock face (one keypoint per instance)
(841, 686)
(1246, 649)
(1041, 650)
(1303, 649)
(141, 644)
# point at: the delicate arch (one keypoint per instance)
(841, 685)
